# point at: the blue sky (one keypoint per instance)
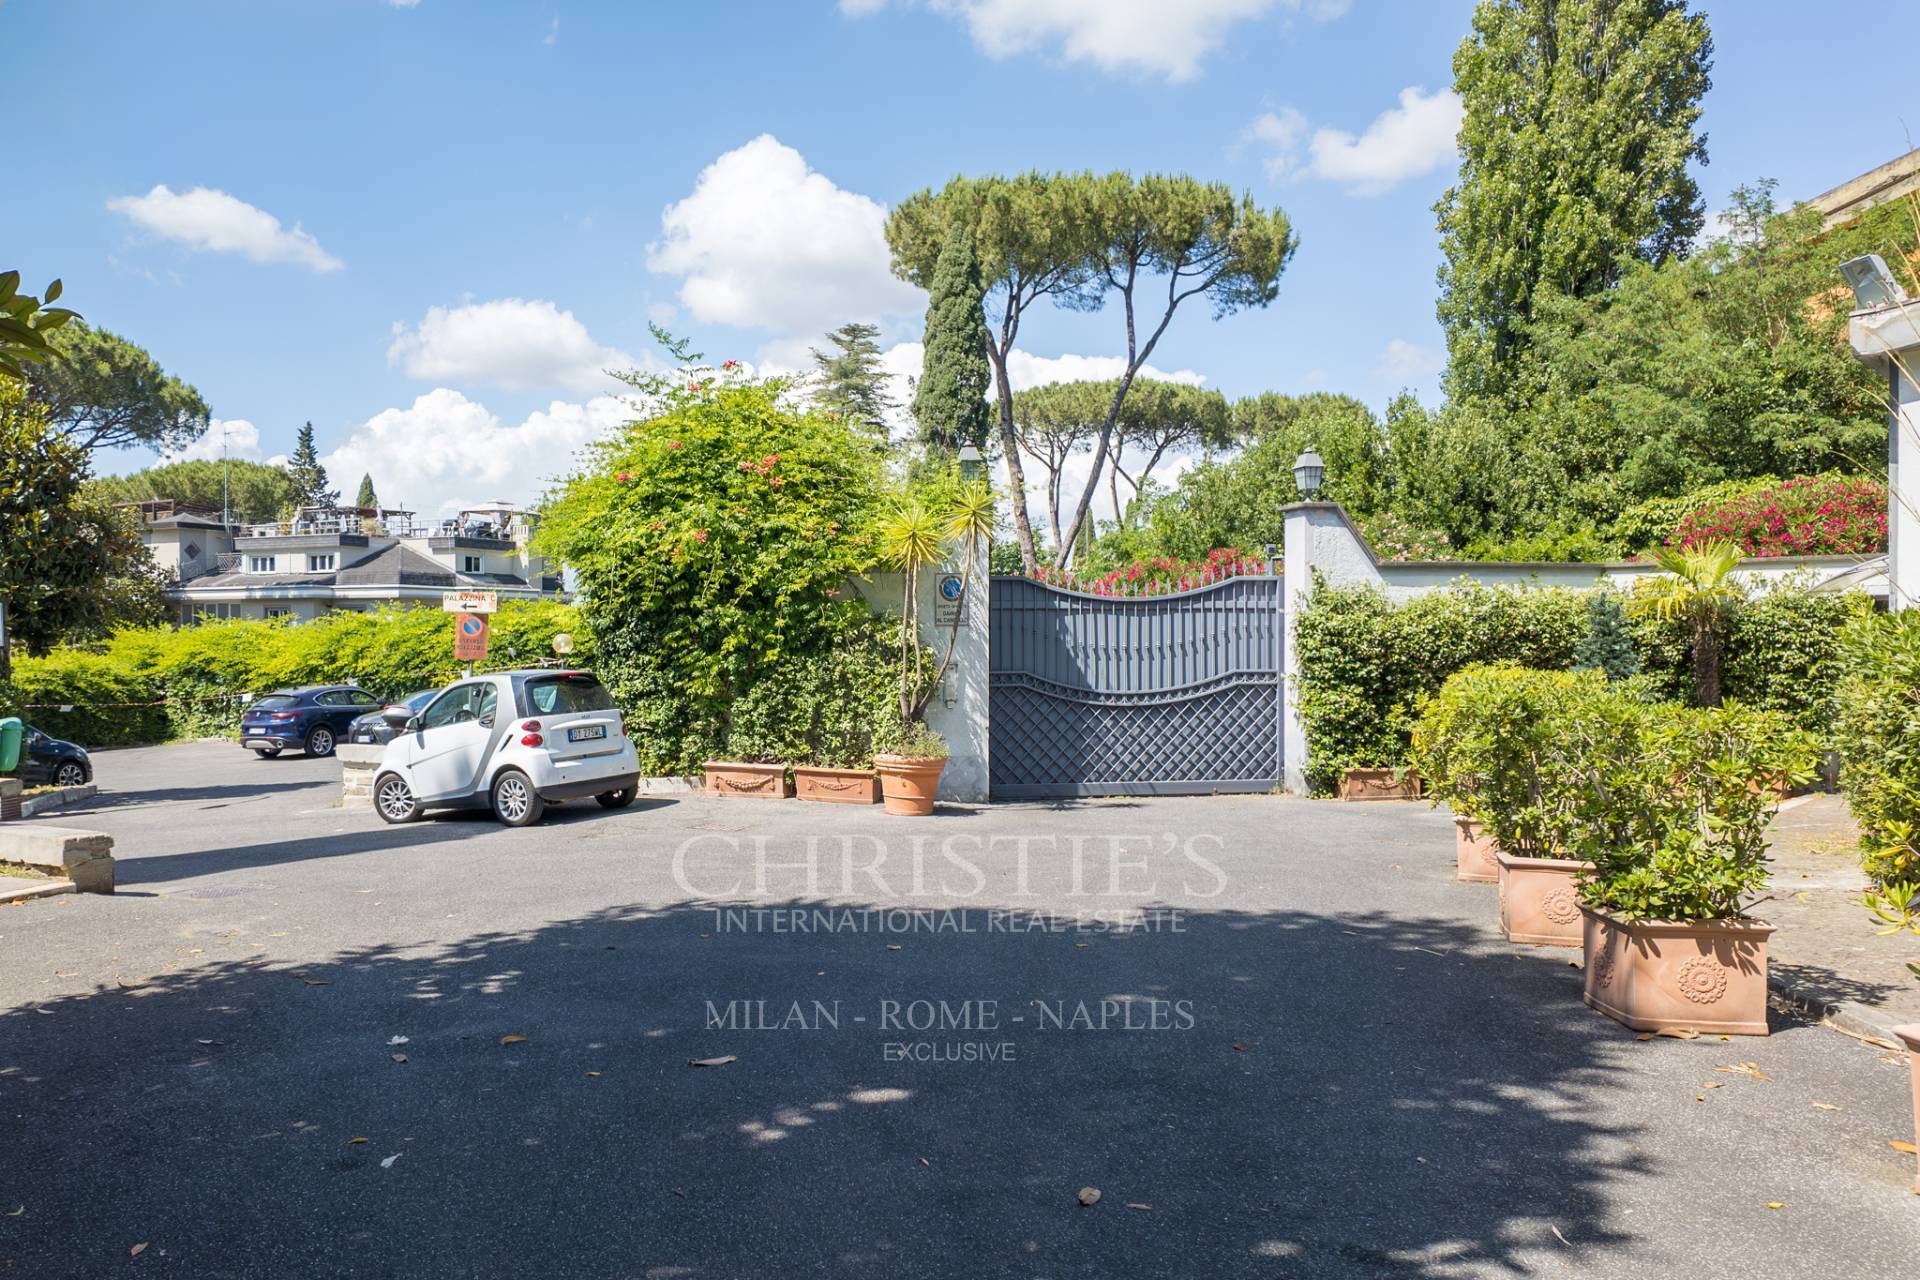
(426, 226)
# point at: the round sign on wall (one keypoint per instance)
(950, 586)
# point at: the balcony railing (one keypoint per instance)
(391, 526)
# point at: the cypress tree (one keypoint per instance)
(309, 477)
(367, 497)
(950, 404)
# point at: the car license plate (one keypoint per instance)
(586, 733)
(256, 729)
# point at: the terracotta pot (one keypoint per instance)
(1910, 1036)
(1474, 852)
(836, 786)
(1379, 784)
(736, 780)
(1708, 975)
(1538, 901)
(908, 785)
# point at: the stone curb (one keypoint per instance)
(1848, 1016)
(57, 799)
(34, 889)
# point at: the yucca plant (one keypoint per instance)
(1696, 587)
(912, 536)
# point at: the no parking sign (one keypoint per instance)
(470, 637)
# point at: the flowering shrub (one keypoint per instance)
(1805, 516)
(713, 540)
(1393, 538)
(1161, 575)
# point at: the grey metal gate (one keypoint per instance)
(1161, 695)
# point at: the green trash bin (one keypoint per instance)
(11, 733)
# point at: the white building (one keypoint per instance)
(335, 558)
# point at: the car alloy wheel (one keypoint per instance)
(515, 802)
(394, 799)
(69, 774)
(320, 742)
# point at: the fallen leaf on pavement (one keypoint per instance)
(137, 1250)
(1826, 1106)
(713, 1062)
(66, 973)
(354, 1142)
(398, 1057)
(893, 946)
(1140, 1208)
(388, 1162)
(1907, 1147)
(17, 1212)
(1089, 1196)
(1563, 1240)
(1775, 1204)
(1239, 1048)
(398, 1040)
(593, 1075)
(1751, 1069)
(206, 1042)
(316, 982)
(928, 1163)
(506, 1040)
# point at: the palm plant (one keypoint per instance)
(1696, 587)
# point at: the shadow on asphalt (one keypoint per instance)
(113, 798)
(1356, 1096)
(435, 828)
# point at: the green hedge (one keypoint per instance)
(201, 676)
(1879, 741)
(1366, 663)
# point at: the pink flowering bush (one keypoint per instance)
(1393, 538)
(1805, 516)
(1161, 575)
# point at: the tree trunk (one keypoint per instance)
(1706, 662)
(1010, 445)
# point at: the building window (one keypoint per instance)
(320, 564)
(191, 550)
(278, 611)
(260, 564)
(469, 564)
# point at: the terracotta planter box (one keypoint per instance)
(1379, 784)
(1654, 974)
(836, 786)
(1474, 853)
(1538, 901)
(747, 781)
(907, 785)
(1910, 1035)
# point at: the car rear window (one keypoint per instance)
(275, 701)
(563, 695)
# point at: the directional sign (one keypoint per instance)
(470, 637)
(471, 602)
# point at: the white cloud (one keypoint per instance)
(403, 4)
(1408, 141)
(1408, 361)
(1170, 38)
(1024, 370)
(205, 219)
(553, 32)
(515, 343)
(765, 242)
(446, 451)
(239, 438)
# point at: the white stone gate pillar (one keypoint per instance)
(1317, 537)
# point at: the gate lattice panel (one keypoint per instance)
(1163, 695)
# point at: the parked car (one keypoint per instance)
(374, 726)
(511, 742)
(45, 758)
(312, 718)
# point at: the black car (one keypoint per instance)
(44, 758)
(313, 718)
(374, 726)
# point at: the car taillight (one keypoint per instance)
(531, 740)
(531, 726)
(280, 715)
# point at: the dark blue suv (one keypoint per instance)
(313, 718)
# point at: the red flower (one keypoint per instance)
(699, 535)
(673, 444)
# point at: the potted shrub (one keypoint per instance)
(1661, 803)
(1481, 742)
(908, 755)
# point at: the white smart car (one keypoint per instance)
(511, 742)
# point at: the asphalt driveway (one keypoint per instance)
(1274, 1034)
